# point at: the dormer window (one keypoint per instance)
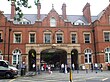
(79, 22)
(52, 22)
(23, 21)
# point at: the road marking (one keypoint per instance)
(104, 79)
(12, 80)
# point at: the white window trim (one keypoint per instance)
(108, 55)
(51, 22)
(84, 36)
(104, 35)
(32, 33)
(88, 54)
(62, 37)
(17, 56)
(50, 37)
(14, 36)
(71, 36)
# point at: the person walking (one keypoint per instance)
(62, 68)
(73, 66)
(101, 67)
(23, 69)
(92, 67)
(96, 67)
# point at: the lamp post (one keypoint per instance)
(9, 43)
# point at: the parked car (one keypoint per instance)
(7, 70)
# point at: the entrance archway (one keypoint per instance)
(32, 60)
(54, 57)
(74, 58)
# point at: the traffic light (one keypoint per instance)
(1, 40)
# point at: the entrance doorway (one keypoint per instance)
(54, 57)
(32, 60)
(74, 58)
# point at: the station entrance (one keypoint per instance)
(54, 57)
(32, 60)
(74, 59)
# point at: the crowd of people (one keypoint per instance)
(64, 68)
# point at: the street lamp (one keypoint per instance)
(9, 43)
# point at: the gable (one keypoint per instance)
(53, 15)
(104, 16)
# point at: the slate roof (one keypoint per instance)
(71, 18)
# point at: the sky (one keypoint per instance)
(73, 7)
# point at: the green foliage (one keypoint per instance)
(18, 5)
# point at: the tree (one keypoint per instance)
(18, 5)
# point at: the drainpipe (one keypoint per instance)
(9, 43)
(93, 30)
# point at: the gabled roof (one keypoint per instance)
(71, 18)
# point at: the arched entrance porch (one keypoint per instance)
(54, 57)
(74, 58)
(32, 60)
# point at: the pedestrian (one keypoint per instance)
(101, 67)
(65, 69)
(62, 68)
(73, 66)
(17, 66)
(45, 66)
(92, 67)
(49, 69)
(34, 67)
(96, 67)
(23, 69)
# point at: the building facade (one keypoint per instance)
(56, 39)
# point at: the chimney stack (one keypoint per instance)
(12, 9)
(87, 12)
(38, 11)
(64, 11)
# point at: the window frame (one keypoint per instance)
(14, 40)
(53, 22)
(31, 38)
(105, 40)
(89, 39)
(61, 35)
(46, 42)
(17, 57)
(73, 33)
(107, 55)
(88, 56)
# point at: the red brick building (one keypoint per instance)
(56, 39)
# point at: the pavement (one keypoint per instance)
(77, 76)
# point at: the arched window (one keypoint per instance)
(52, 22)
(88, 56)
(107, 55)
(16, 56)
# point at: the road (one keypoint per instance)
(82, 76)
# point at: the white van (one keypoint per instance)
(7, 70)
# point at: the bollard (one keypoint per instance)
(71, 77)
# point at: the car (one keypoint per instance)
(7, 70)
